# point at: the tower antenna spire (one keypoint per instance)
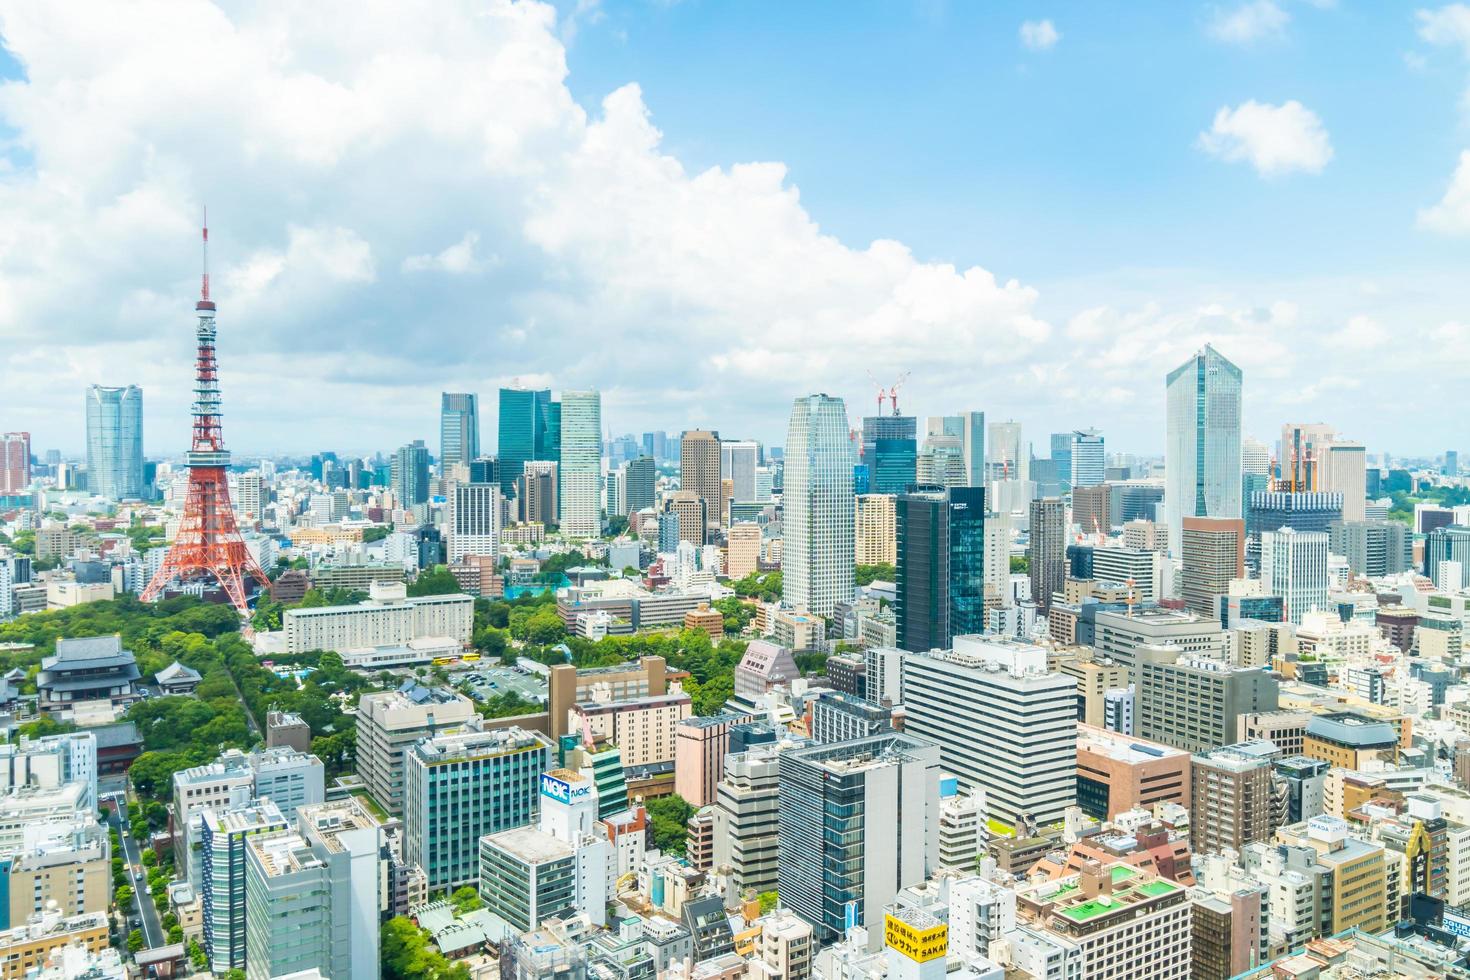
(204, 284)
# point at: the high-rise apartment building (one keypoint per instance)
(859, 822)
(1046, 550)
(817, 565)
(1235, 801)
(115, 442)
(1294, 566)
(691, 511)
(1213, 553)
(15, 462)
(1345, 471)
(472, 521)
(1004, 724)
(699, 470)
(409, 474)
(1089, 460)
(524, 418)
(1202, 473)
(459, 429)
(459, 786)
(891, 452)
(581, 463)
(875, 529)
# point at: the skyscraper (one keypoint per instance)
(817, 525)
(1213, 553)
(1004, 452)
(940, 587)
(1202, 474)
(890, 451)
(15, 462)
(973, 447)
(639, 477)
(409, 474)
(115, 442)
(524, 415)
(1294, 566)
(1061, 460)
(581, 463)
(1046, 550)
(699, 469)
(1089, 459)
(1345, 471)
(738, 462)
(473, 521)
(459, 429)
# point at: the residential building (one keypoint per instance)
(817, 526)
(875, 524)
(1202, 462)
(1235, 801)
(15, 463)
(472, 521)
(1046, 551)
(700, 745)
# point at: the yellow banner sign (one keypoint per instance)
(919, 945)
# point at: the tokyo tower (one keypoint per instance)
(208, 541)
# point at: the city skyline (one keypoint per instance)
(522, 287)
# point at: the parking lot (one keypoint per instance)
(486, 682)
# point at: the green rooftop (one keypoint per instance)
(1122, 872)
(1092, 909)
(1153, 889)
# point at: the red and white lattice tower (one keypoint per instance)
(208, 542)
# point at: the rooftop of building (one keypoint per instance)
(283, 853)
(529, 845)
(714, 721)
(648, 701)
(859, 754)
(1353, 730)
(1123, 748)
(467, 744)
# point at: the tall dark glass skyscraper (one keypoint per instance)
(891, 452)
(940, 577)
(641, 477)
(524, 416)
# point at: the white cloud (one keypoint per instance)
(1451, 216)
(1039, 35)
(1275, 140)
(1448, 26)
(1361, 333)
(1249, 22)
(458, 258)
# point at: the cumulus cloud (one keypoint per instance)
(1451, 216)
(1039, 35)
(458, 258)
(1447, 26)
(1249, 22)
(1273, 139)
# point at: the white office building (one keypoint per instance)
(1202, 465)
(472, 521)
(817, 525)
(389, 617)
(581, 463)
(1294, 566)
(1004, 725)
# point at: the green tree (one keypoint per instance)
(434, 581)
(769, 901)
(1020, 564)
(135, 941)
(466, 899)
(670, 818)
(197, 956)
(123, 896)
(545, 627)
(867, 574)
(406, 955)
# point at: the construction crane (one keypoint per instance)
(893, 393)
(882, 392)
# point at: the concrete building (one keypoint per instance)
(1372, 548)
(1118, 633)
(1046, 551)
(312, 895)
(581, 463)
(700, 745)
(1235, 801)
(742, 549)
(764, 667)
(746, 842)
(839, 717)
(700, 473)
(472, 521)
(1117, 773)
(1294, 566)
(1194, 703)
(460, 786)
(389, 617)
(62, 865)
(225, 835)
(858, 822)
(875, 540)
(51, 761)
(1004, 724)
(1213, 555)
(390, 722)
(643, 728)
(26, 948)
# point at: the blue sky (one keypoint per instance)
(1076, 169)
